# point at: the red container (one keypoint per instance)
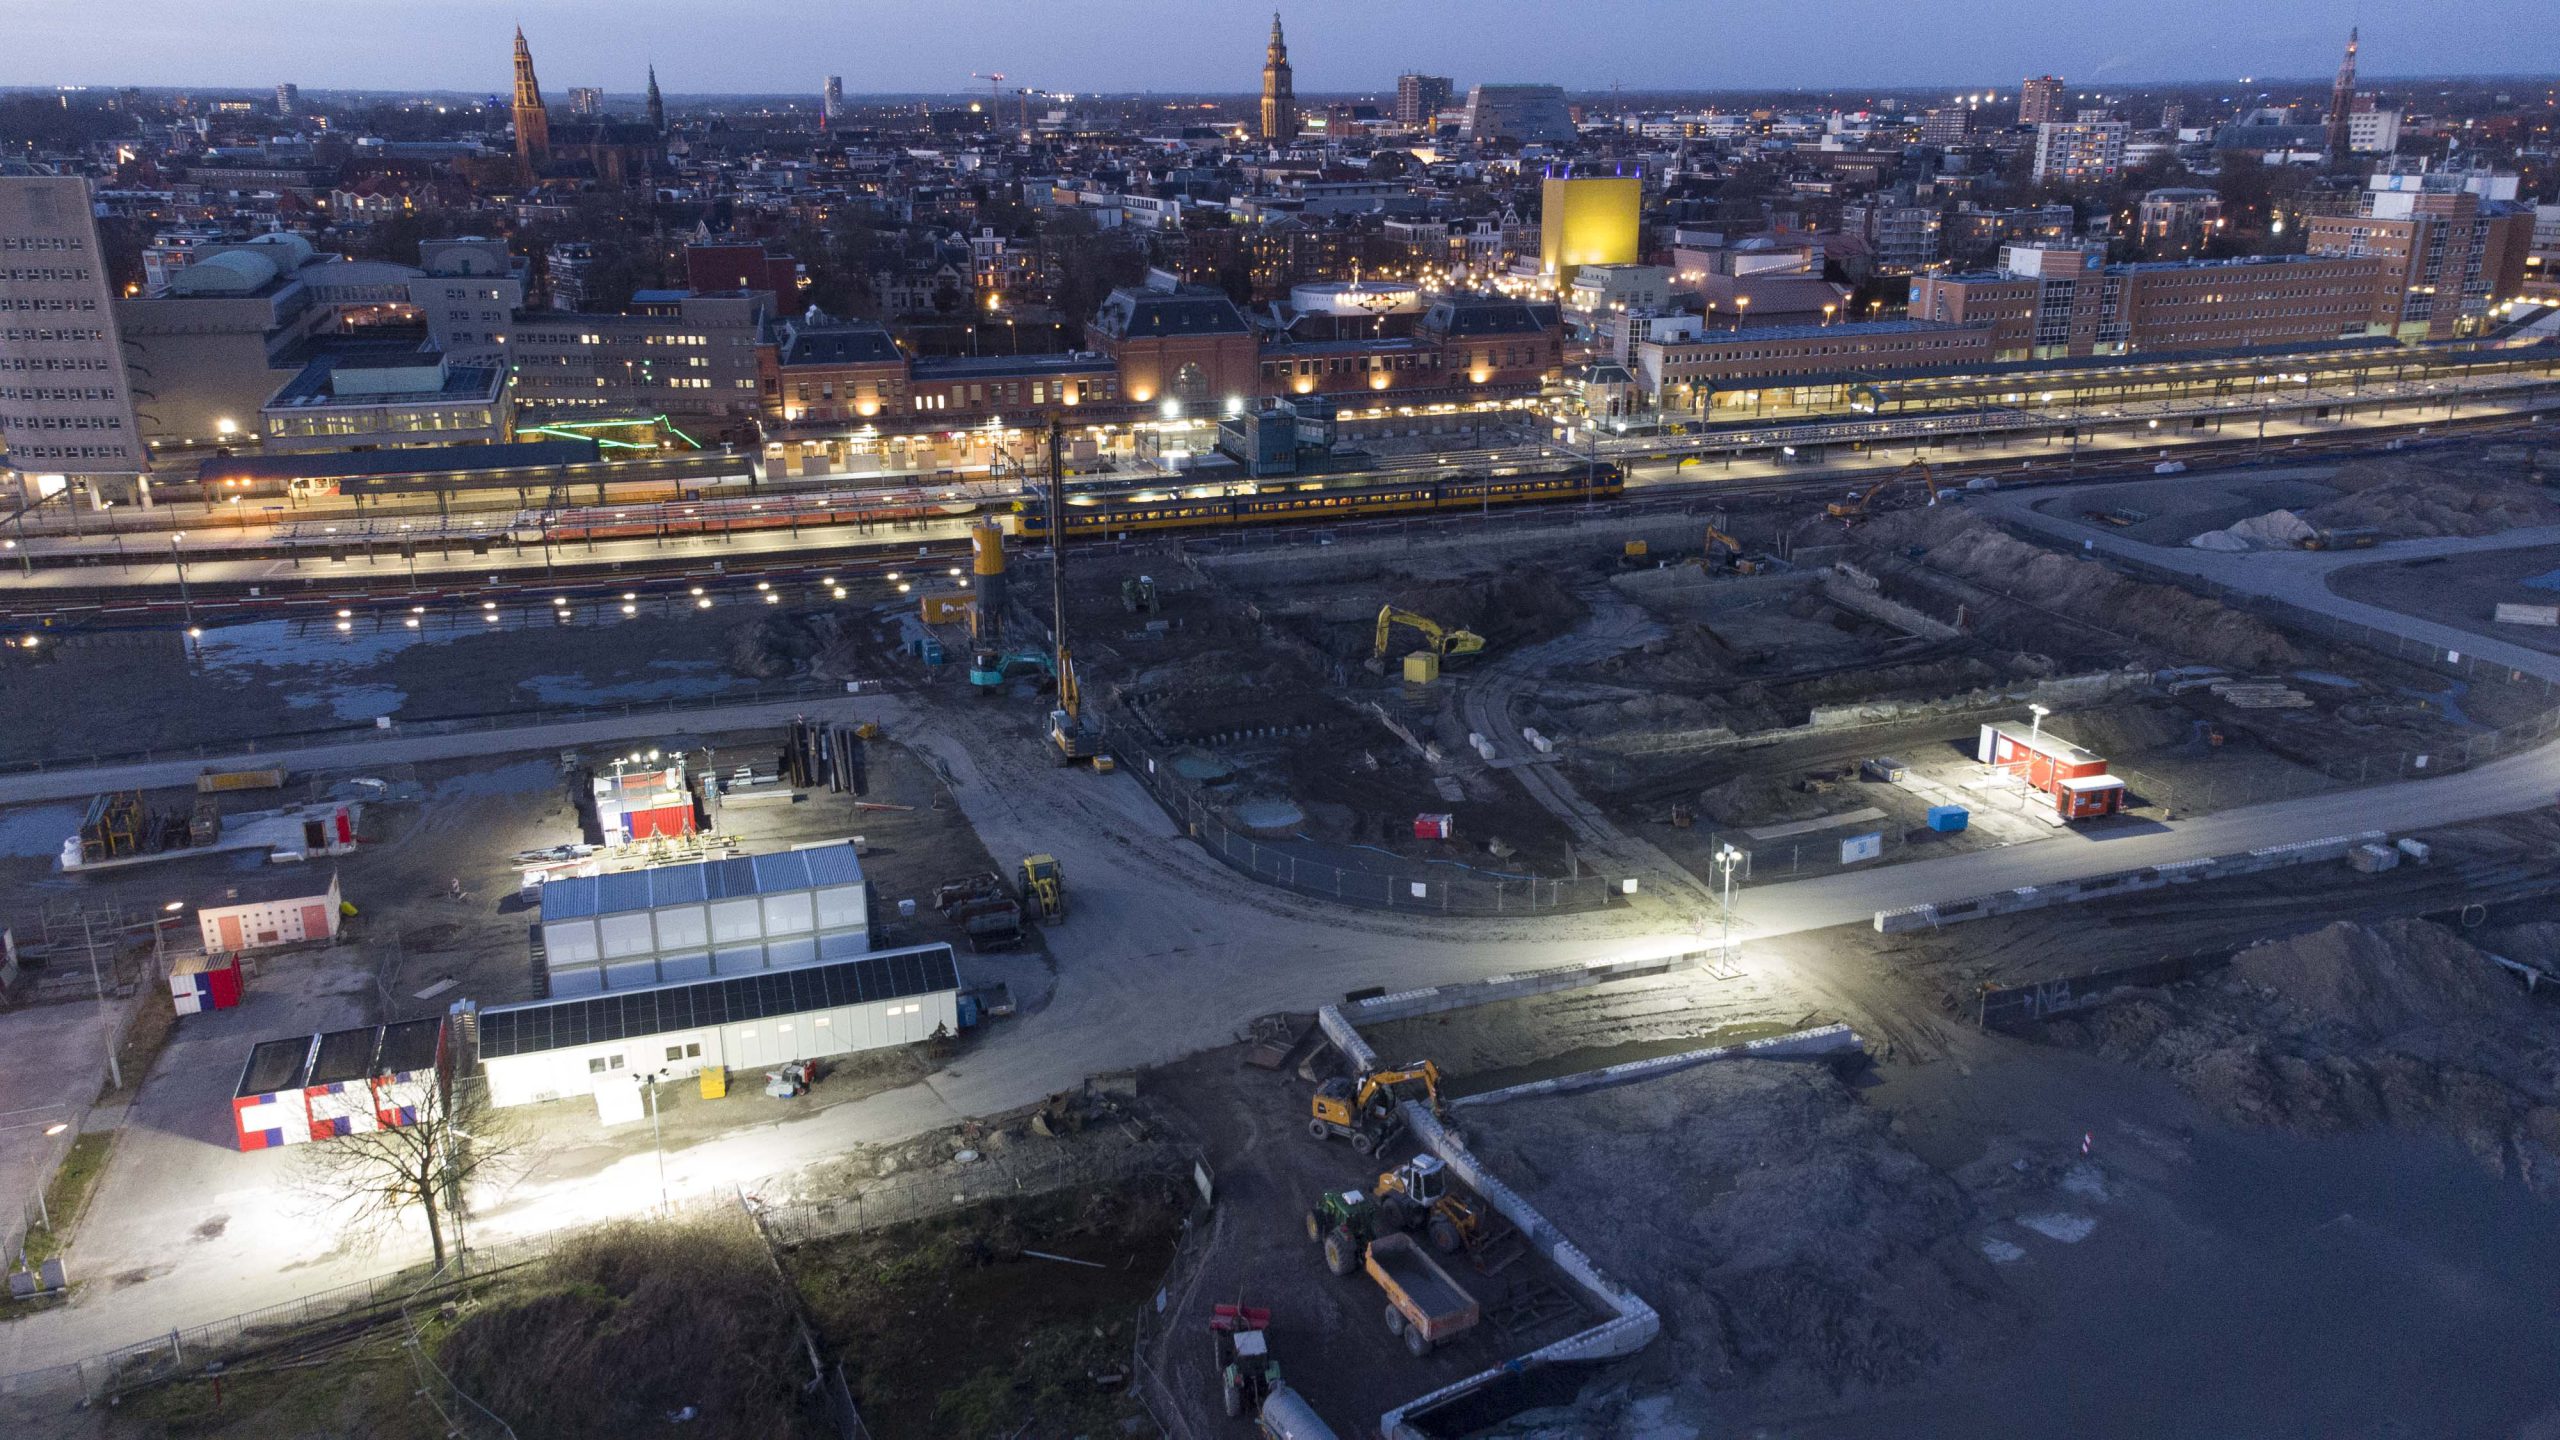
(1433, 827)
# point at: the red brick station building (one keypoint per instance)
(1150, 353)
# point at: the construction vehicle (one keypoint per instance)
(989, 669)
(1444, 642)
(1860, 502)
(1044, 887)
(1425, 1308)
(1635, 552)
(1069, 736)
(1246, 1372)
(1138, 593)
(1719, 543)
(1417, 1194)
(1344, 1222)
(1364, 1110)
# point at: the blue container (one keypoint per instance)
(968, 1011)
(1948, 817)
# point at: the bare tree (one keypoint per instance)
(379, 1176)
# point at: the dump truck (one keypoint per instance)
(1425, 1308)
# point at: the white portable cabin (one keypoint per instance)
(705, 918)
(571, 1046)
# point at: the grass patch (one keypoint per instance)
(68, 1194)
(948, 1329)
(154, 1016)
(625, 1326)
(369, 1391)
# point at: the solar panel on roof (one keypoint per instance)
(571, 1022)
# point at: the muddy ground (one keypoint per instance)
(2464, 591)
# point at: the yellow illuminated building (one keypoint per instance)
(1588, 221)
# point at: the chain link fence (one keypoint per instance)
(1393, 883)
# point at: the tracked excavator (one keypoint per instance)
(1857, 507)
(1443, 641)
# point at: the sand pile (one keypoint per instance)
(2275, 530)
(2378, 980)
(2458, 495)
(1964, 544)
(1798, 1249)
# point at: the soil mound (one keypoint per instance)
(2461, 495)
(2179, 622)
(1805, 1249)
(2379, 980)
(2124, 730)
(1764, 800)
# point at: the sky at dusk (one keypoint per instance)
(766, 46)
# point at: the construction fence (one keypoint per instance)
(1392, 883)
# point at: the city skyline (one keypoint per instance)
(1338, 48)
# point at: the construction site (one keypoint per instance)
(1930, 956)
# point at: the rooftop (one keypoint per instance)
(656, 1010)
(579, 896)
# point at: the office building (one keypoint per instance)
(288, 100)
(671, 353)
(1420, 97)
(586, 101)
(2057, 300)
(1520, 114)
(394, 397)
(2080, 153)
(2456, 242)
(66, 415)
(2040, 100)
(1698, 371)
(533, 122)
(2372, 130)
(1946, 126)
(1279, 89)
(1588, 220)
(831, 101)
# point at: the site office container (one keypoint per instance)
(344, 1082)
(2076, 779)
(204, 982)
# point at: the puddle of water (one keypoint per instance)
(1601, 1057)
(2323, 677)
(680, 678)
(2547, 580)
(37, 830)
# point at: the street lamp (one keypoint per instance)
(658, 1137)
(1727, 858)
(2036, 731)
(178, 558)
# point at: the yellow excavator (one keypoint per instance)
(1730, 550)
(1443, 642)
(1856, 509)
(1365, 1110)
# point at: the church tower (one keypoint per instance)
(533, 123)
(657, 104)
(2342, 103)
(1279, 91)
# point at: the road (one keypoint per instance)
(1168, 953)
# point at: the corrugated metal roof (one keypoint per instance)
(578, 897)
(659, 1009)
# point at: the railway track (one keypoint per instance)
(317, 586)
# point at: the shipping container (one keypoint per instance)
(204, 982)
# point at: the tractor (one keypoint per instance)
(1344, 1222)
(1246, 1372)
